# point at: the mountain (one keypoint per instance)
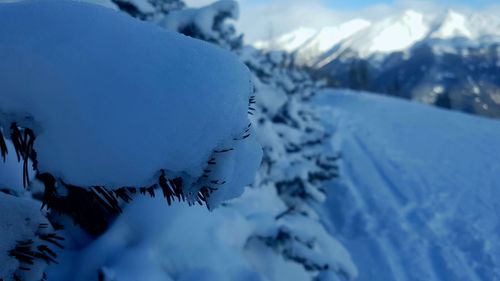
(310, 43)
(450, 60)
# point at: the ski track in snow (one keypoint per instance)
(402, 212)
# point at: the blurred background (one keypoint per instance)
(444, 53)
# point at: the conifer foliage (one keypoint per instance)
(35, 127)
(298, 159)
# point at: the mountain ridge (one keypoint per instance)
(374, 38)
(451, 60)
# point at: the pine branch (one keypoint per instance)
(52, 238)
(49, 183)
(245, 134)
(27, 251)
(3, 147)
(94, 208)
(23, 141)
(223, 150)
(251, 105)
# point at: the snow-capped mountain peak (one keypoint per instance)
(288, 42)
(395, 33)
(453, 24)
(389, 35)
(329, 36)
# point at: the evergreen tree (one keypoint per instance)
(298, 159)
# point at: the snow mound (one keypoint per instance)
(190, 243)
(113, 100)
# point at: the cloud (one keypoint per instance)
(279, 16)
(198, 3)
(260, 18)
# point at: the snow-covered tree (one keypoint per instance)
(298, 159)
(295, 140)
(104, 109)
(208, 23)
(146, 9)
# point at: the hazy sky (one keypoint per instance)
(262, 18)
(346, 4)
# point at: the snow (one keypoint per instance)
(418, 188)
(288, 42)
(292, 139)
(104, 3)
(418, 194)
(392, 34)
(236, 169)
(149, 240)
(329, 36)
(143, 5)
(332, 252)
(11, 171)
(453, 25)
(174, 242)
(239, 241)
(109, 109)
(20, 219)
(397, 35)
(271, 267)
(309, 43)
(190, 243)
(202, 18)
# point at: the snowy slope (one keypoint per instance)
(419, 193)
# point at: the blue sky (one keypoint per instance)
(354, 4)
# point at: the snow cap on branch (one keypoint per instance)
(113, 100)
